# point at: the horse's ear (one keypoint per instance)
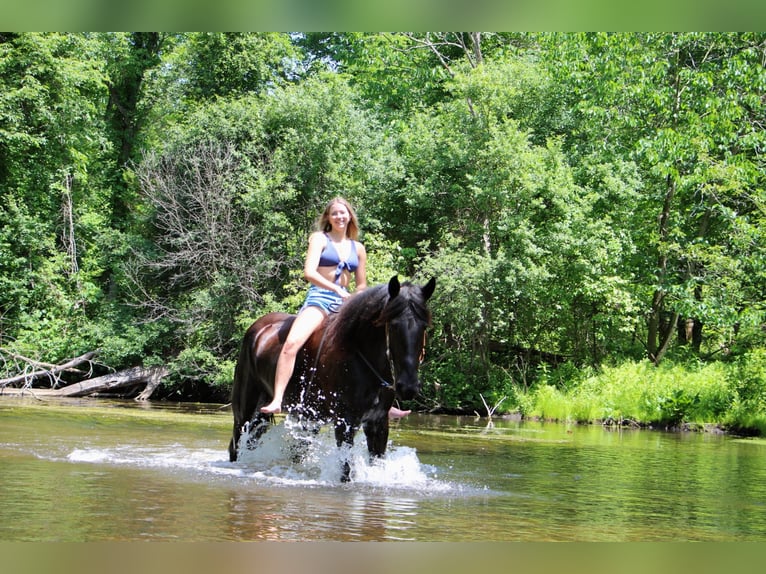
(393, 287)
(428, 289)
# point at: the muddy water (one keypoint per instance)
(95, 470)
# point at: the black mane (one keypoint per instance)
(372, 308)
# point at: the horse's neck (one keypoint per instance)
(356, 335)
(353, 327)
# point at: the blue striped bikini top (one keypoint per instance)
(330, 258)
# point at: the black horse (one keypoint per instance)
(348, 372)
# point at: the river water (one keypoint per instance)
(99, 470)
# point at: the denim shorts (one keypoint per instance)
(328, 301)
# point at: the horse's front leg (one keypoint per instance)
(251, 430)
(344, 435)
(376, 431)
(234, 442)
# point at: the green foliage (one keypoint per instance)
(447, 386)
(196, 373)
(390, 73)
(550, 404)
(748, 378)
(232, 64)
(52, 151)
(385, 258)
(642, 393)
(673, 103)
(580, 199)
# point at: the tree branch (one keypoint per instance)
(43, 369)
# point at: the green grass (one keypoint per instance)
(668, 395)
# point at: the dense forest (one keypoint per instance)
(593, 207)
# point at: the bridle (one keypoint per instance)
(390, 358)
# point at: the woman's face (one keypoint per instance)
(339, 216)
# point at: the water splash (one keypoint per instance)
(291, 454)
(288, 455)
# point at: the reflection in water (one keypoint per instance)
(111, 471)
(382, 518)
(309, 502)
(319, 516)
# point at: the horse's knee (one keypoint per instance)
(344, 436)
(344, 439)
(377, 439)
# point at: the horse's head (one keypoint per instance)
(406, 318)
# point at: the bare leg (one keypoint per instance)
(305, 324)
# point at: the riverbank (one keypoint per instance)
(717, 397)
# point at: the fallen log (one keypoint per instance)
(148, 376)
(128, 378)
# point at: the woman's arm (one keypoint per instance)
(360, 276)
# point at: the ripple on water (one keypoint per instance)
(286, 456)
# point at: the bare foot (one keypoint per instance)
(272, 409)
(394, 413)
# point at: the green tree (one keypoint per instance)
(511, 236)
(233, 64)
(233, 195)
(52, 147)
(130, 58)
(685, 108)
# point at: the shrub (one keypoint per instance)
(197, 373)
(748, 378)
(550, 404)
(639, 391)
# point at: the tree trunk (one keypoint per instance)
(654, 346)
(121, 380)
(667, 332)
(123, 108)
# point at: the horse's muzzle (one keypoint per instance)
(407, 387)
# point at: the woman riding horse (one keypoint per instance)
(334, 253)
(348, 373)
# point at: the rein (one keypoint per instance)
(383, 382)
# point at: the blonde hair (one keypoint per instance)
(323, 223)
